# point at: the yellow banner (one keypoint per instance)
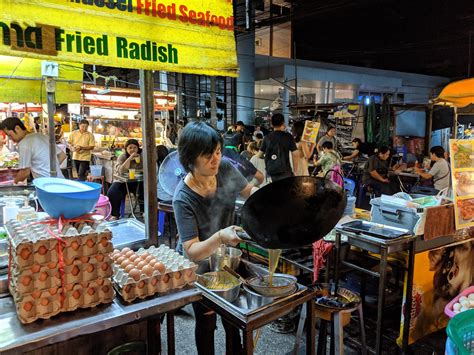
(189, 36)
(20, 81)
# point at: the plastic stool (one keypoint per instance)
(91, 178)
(165, 210)
(349, 186)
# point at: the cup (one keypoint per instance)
(131, 174)
(137, 160)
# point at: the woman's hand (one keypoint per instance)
(228, 236)
(133, 156)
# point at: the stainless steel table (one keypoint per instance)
(16, 337)
(124, 178)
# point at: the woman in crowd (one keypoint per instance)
(259, 163)
(203, 204)
(360, 149)
(130, 159)
(305, 149)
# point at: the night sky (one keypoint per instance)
(426, 37)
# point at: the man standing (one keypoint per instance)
(82, 142)
(276, 148)
(33, 149)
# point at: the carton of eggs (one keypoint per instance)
(149, 271)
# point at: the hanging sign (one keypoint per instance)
(462, 174)
(188, 36)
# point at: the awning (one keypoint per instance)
(458, 94)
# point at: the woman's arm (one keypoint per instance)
(248, 190)
(307, 150)
(374, 174)
(123, 167)
(354, 154)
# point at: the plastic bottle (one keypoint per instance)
(10, 211)
(26, 212)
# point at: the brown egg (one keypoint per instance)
(76, 294)
(69, 287)
(133, 257)
(104, 242)
(26, 280)
(99, 281)
(150, 258)
(42, 250)
(51, 265)
(84, 259)
(44, 301)
(43, 276)
(68, 261)
(141, 284)
(124, 263)
(115, 256)
(28, 306)
(90, 243)
(25, 253)
(137, 260)
(36, 294)
(106, 289)
(53, 291)
(35, 268)
(141, 265)
(75, 245)
(120, 260)
(160, 267)
(124, 250)
(144, 256)
(135, 274)
(75, 270)
(129, 253)
(154, 281)
(127, 288)
(90, 268)
(152, 262)
(166, 278)
(91, 291)
(129, 267)
(177, 275)
(99, 257)
(105, 266)
(116, 251)
(147, 270)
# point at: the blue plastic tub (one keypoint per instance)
(70, 199)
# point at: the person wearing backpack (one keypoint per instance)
(276, 148)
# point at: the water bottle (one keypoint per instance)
(10, 211)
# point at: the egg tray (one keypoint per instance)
(47, 276)
(82, 295)
(130, 290)
(39, 247)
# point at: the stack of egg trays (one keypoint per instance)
(35, 280)
(179, 272)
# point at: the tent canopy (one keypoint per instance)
(459, 93)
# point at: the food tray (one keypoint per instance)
(125, 231)
(448, 310)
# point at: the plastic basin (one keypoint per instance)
(70, 199)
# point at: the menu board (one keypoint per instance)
(310, 132)
(462, 175)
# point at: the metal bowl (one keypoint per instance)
(256, 300)
(225, 256)
(229, 294)
(282, 285)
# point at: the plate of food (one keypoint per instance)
(466, 210)
(464, 183)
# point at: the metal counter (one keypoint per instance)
(16, 337)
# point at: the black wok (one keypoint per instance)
(293, 212)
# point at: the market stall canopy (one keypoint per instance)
(21, 81)
(459, 93)
(188, 36)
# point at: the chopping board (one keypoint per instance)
(439, 222)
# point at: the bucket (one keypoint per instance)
(96, 170)
(103, 207)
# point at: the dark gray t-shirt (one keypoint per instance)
(374, 163)
(198, 216)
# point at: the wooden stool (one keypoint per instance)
(165, 210)
(91, 178)
(338, 319)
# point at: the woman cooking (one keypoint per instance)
(204, 205)
(117, 192)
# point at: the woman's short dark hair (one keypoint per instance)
(134, 142)
(358, 141)
(384, 149)
(196, 139)
(327, 145)
(438, 151)
(10, 123)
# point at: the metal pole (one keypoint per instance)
(50, 89)
(149, 156)
(213, 102)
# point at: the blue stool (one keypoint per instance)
(349, 186)
(122, 209)
(165, 210)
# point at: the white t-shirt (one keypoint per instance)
(34, 154)
(441, 174)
